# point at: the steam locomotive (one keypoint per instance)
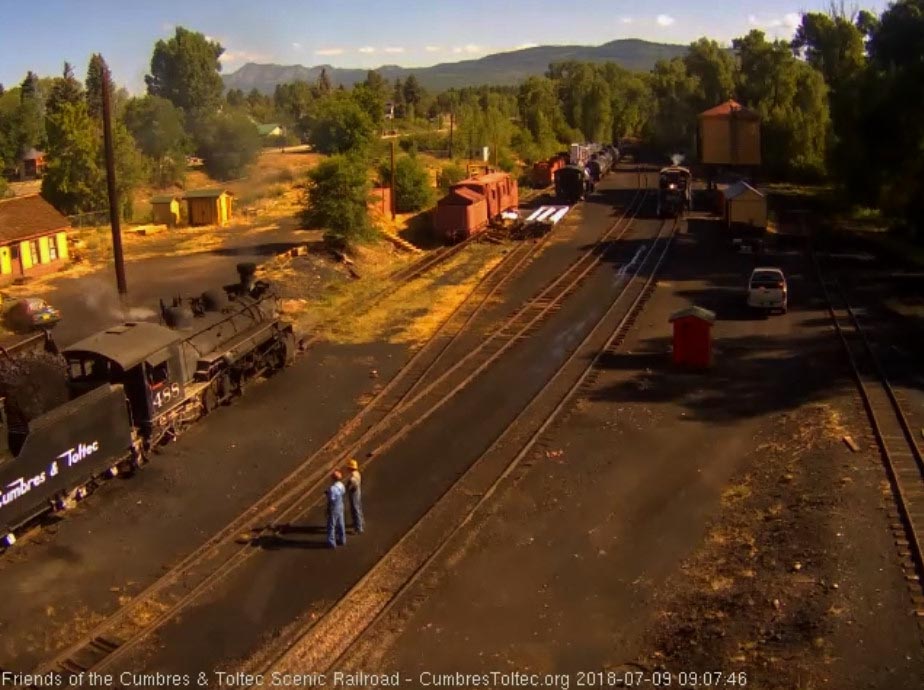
(123, 391)
(675, 190)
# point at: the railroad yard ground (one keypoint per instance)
(696, 522)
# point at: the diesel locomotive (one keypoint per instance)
(132, 387)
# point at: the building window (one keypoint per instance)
(52, 249)
(34, 251)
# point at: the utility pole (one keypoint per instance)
(113, 195)
(393, 194)
(451, 112)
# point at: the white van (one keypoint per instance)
(767, 289)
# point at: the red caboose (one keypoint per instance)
(473, 203)
(460, 213)
(499, 189)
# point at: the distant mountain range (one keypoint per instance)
(500, 69)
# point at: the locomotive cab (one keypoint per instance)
(142, 357)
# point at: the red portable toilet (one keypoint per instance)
(693, 337)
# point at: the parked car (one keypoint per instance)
(767, 289)
(29, 314)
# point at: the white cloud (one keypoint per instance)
(367, 50)
(240, 56)
(664, 20)
(394, 49)
(792, 20)
(469, 48)
(787, 23)
(626, 20)
(433, 49)
(329, 51)
(524, 46)
(167, 26)
(296, 45)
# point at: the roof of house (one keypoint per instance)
(164, 198)
(729, 107)
(33, 154)
(23, 217)
(694, 311)
(741, 188)
(267, 128)
(127, 344)
(206, 193)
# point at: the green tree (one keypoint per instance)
(338, 200)
(185, 70)
(157, 127)
(450, 174)
(714, 68)
(894, 119)
(675, 95)
(371, 95)
(413, 95)
(73, 181)
(538, 110)
(397, 97)
(835, 45)
(228, 143)
(413, 191)
(94, 85)
(65, 90)
(324, 83)
(340, 125)
(792, 100)
(236, 99)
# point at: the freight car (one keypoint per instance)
(133, 386)
(544, 171)
(675, 189)
(472, 204)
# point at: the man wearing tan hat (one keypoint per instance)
(354, 489)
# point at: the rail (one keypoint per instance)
(294, 495)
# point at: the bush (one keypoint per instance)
(413, 191)
(338, 200)
(450, 174)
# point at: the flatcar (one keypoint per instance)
(131, 387)
(675, 190)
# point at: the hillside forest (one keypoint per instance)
(840, 103)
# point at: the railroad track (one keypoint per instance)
(326, 642)
(381, 424)
(892, 431)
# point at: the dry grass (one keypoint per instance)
(355, 311)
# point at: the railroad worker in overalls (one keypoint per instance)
(354, 490)
(336, 527)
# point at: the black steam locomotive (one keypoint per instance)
(675, 190)
(128, 389)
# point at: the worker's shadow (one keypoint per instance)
(287, 537)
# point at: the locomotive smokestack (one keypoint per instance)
(247, 271)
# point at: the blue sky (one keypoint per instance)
(42, 34)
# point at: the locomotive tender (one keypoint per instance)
(135, 385)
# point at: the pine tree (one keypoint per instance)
(94, 84)
(324, 85)
(73, 181)
(66, 90)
